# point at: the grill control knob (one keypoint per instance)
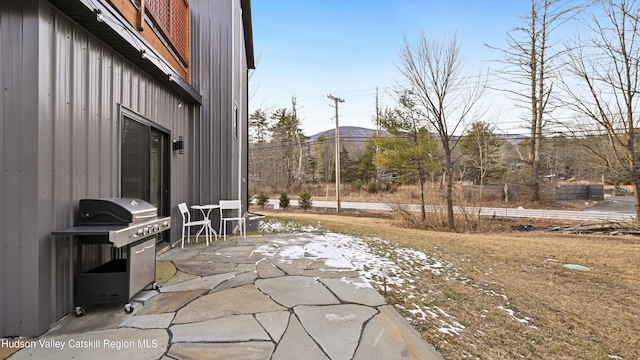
(140, 232)
(165, 224)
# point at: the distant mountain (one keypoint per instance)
(352, 138)
(346, 132)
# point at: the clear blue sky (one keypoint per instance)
(347, 48)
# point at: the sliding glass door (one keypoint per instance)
(158, 171)
(135, 160)
(144, 162)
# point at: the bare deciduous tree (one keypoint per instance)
(530, 64)
(604, 82)
(480, 148)
(443, 92)
(258, 138)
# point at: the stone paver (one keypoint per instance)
(188, 252)
(267, 297)
(169, 302)
(296, 290)
(296, 341)
(389, 336)
(201, 283)
(154, 321)
(144, 295)
(327, 323)
(354, 291)
(242, 300)
(246, 267)
(264, 251)
(274, 322)
(180, 277)
(267, 270)
(226, 329)
(165, 270)
(252, 350)
(292, 267)
(232, 254)
(244, 278)
(204, 268)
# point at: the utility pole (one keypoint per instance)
(337, 100)
(378, 169)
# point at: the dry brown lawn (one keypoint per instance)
(510, 293)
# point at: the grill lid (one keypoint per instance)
(114, 211)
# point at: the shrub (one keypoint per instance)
(358, 185)
(305, 199)
(263, 199)
(372, 188)
(284, 200)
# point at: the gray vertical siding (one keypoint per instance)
(59, 127)
(213, 54)
(19, 227)
(241, 93)
(62, 89)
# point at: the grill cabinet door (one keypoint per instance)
(142, 264)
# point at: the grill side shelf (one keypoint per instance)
(88, 230)
(118, 235)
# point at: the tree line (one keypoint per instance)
(578, 89)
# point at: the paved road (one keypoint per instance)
(616, 204)
(615, 208)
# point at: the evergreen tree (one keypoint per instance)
(409, 148)
(364, 167)
(305, 201)
(258, 127)
(262, 199)
(284, 200)
(348, 170)
(324, 159)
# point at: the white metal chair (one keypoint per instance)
(187, 224)
(232, 206)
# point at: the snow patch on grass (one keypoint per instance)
(382, 264)
(271, 226)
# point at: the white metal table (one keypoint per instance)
(206, 213)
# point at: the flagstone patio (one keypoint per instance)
(264, 297)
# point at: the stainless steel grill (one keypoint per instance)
(122, 220)
(129, 225)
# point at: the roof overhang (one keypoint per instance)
(125, 39)
(248, 32)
